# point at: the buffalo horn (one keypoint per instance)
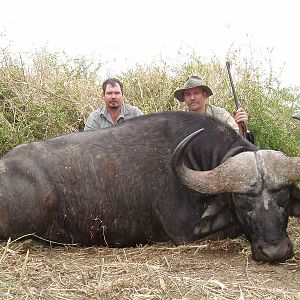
(281, 168)
(241, 173)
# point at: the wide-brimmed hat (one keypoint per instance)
(191, 82)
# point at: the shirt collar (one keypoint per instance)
(103, 111)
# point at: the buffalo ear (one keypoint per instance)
(295, 201)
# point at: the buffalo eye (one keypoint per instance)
(281, 196)
(245, 204)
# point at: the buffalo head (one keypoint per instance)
(260, 183)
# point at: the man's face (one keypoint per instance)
(113, 97)
(195, 99)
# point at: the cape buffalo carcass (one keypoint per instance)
(121, 186)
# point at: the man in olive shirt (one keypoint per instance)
(194, 93)
(115, 110)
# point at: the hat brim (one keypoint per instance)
(178, 94)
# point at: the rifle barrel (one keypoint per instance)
(246, 133)
(237, 104)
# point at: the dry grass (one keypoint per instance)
(206, 270)
(44, 95)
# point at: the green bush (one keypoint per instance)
(51, 95)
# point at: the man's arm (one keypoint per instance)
(230, 121)
(138, 112)
(91, 122)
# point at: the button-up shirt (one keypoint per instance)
(223, 115)
(101, 118)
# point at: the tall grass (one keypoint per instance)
(49, 95)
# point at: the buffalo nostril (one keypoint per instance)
(279, 252)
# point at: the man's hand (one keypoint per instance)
(240, 116)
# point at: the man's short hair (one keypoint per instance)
(112, 82)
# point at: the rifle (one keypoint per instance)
(246, 133)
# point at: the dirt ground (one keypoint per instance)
(206, 270)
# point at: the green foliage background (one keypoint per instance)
(52, 95)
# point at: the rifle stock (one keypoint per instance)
(246, 133)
